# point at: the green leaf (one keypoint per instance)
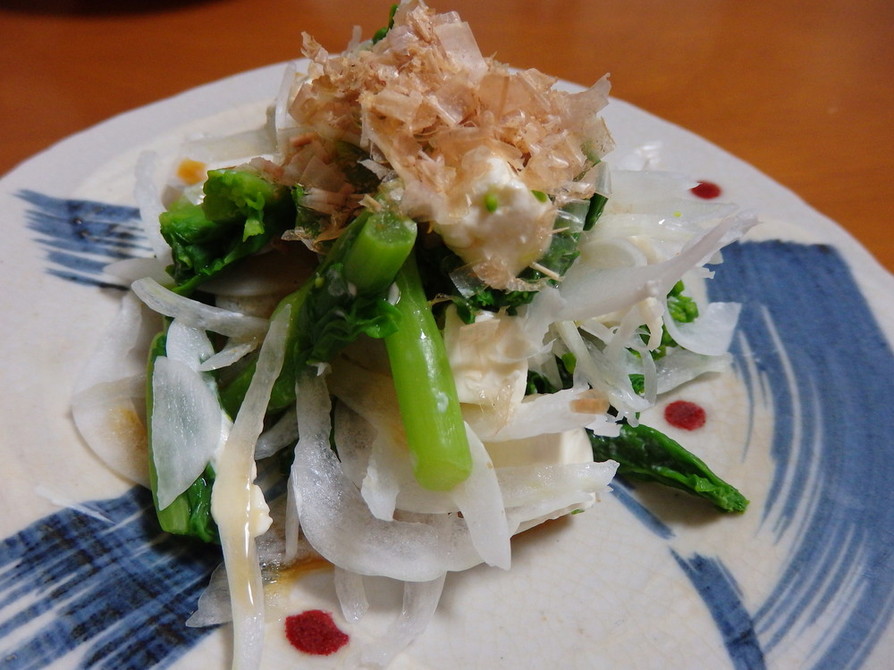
(239, 215)
(647, 454)
(381, 32)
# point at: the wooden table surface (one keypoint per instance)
(802, 89)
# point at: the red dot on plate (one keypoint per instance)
(684, 414)
(314, 632)
(707, 190)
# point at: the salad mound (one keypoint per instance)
(420, 314)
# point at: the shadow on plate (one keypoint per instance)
(95, 7)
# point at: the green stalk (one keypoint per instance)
(378, 250)
(426, 392)
(366, 257)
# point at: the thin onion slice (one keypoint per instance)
(197, 314)
(109, 416)
(589, 293)
(131, 269)
(680, 366)
(188, 345)
(233, 352)
(110, 393)
(481, 503)
(236, 503)
(280, 435)
(419, 605)
(149, 201)
(711, 333)
(186, 427)
(548, 413)
(338, 524)
(351, 594)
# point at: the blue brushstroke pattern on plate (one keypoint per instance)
(102, 584)
(81, 237)
(830, 373)
(118, 588)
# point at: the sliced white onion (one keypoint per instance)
(197, 314)
(615, 251)
(375, 458)
(606, 426)
(131, 269)
(649, 372)
(273, 273)
(187, 345)
(338, 524)
(371, 441)
(387, 468)
(62, 502)
(711, 333)
(234, 350)
(108, 405)
(589, 293)
(186, 427)
(213, 607)
(214, 604)
(280, 435)
(237, 504)
(528, 516)
(607, 375)
(231, 149)
(333, 516)
(354, 436)
(680, 366)
(419, 605)
(121, 352)
(549, 413)
(481, 503)
(110, 416)
(351, 594)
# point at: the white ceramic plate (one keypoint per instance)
(646, 579)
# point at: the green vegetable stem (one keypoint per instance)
(426, 392)
(345, 298)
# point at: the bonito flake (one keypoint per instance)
(484, 154)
